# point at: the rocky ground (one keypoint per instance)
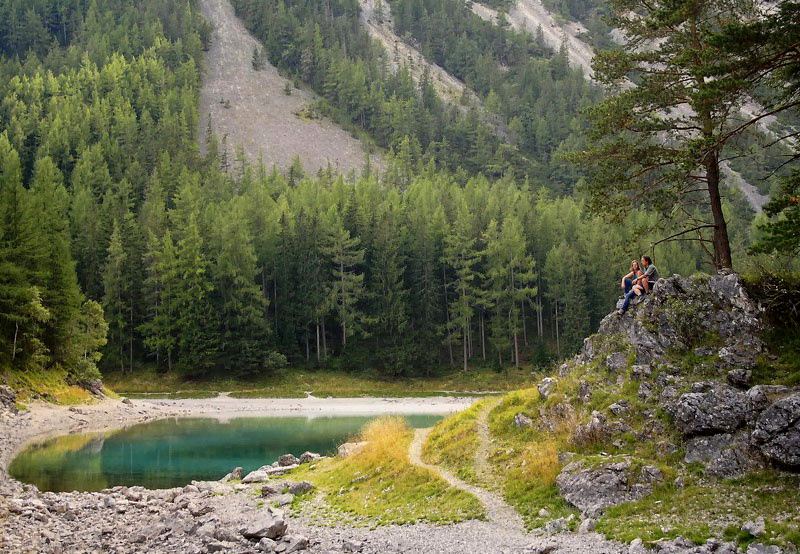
(251, 109)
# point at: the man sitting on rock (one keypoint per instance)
(642, 284)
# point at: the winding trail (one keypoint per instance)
(498, 511)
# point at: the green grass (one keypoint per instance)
(295, 383)
(713, 508)
(453, 442)
(380, 485)
(50, 385)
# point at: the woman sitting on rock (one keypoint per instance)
(627, 281)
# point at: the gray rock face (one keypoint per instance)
(665, 320)
(8, 399)
(719, 409)
(724, 455)
(594, 489)
(777, 431)
(617, 361)
(269, 524)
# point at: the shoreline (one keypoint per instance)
(43, 421)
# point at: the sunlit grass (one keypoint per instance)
(50, 385)
(379, 482)
(453, 442)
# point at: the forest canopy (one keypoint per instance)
(471, 249)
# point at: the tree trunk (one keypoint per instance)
(14, 347)
(524, 324)
(318, 346)
(516, 349)
(558, 339)
(324, 342)
(464, 342)
(447, 317)
(483, 338)
(722, 245)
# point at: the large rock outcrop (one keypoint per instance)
(593, 489)
(681, 310)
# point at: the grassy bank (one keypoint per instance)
(50, 385)
(378, 485)
(295, 383)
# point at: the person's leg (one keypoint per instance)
(627, 284)
(627, 301)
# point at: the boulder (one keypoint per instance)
(288, 460)
(522, 421)
(593, 431)
(584, 392)
(546, 386)
(755, 528)
(308, 457)
(8, 399)
(777, 431)
(300, 487)
(270, 524)
(740, 378)
(257, 476)
(350, 448)
(292, 543)
(593, 489)
(266, 545)
(719, 409)
(723, 455)
(759, 548)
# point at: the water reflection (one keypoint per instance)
(172, 452)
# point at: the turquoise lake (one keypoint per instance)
(173, 452)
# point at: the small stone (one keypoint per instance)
(544, 512)
(350, 545)
(619, 408)
(546, 386)
(556, 526)
(740, 378)
(257, 476)
(198, 510)
(637, 547)
(127, 401)
(295, 543)
(587, 525)
(349, 448)
(288, 460)
(266, 545)
(270, 525)
(759, 548)
(307, 457)
(300, 487)
(522, 421)
(755, 528)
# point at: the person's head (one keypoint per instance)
(646, 261)
(635, 265)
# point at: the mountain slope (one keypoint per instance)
(251, 108)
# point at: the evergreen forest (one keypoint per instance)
(487, 241)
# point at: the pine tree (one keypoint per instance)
(115, 297)
(60, 291)
(347, 283)
(461, 256)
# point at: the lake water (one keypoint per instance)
(173, 452)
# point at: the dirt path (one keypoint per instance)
(251, 109)
(498, 511)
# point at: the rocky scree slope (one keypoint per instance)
(664, 396)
